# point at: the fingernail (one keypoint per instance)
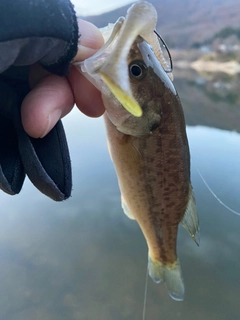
(84, 53)
(52, 119)
(90, 40)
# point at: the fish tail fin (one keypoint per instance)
(171, 275)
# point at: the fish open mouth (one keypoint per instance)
(127, 101)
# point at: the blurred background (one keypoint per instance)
(84, 259)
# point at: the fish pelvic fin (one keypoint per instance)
(126, 210)
(190, 220)
(171, 275)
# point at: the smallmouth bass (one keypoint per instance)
(147, 138)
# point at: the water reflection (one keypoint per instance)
(83, 259)
(209, 100)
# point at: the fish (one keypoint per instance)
(147, 140)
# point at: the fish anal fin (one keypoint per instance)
(171, 275)
(190, 220)
(126, 210)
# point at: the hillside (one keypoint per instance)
(204, 32)
(183, 23)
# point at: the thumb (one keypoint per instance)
(90, 40)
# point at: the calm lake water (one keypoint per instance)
(85, 260)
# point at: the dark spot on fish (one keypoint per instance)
(171, 184)
(170, 204)
(159, 233)
(150, 159)
(163, 256)
(154, 126)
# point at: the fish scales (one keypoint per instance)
(147, 139)
(154, 178)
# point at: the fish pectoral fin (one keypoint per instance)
(171, 275)
(126, 210)
(190, 219)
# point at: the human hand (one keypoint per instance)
(52, 96)
(33, 100)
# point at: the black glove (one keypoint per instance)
(33, 31)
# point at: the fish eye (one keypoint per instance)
(137, 70)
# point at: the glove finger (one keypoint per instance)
(47, 162)
(11, 169)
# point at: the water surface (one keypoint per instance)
(84, 259)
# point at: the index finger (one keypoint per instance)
(90, 40)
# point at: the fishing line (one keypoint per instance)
(145, 296)
(215, 196)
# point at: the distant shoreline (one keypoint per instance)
(230, 67)
(205, 63)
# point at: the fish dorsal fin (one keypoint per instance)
(190, 219)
